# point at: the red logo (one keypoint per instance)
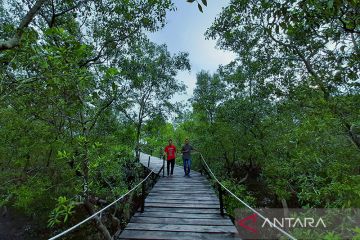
(251, 218)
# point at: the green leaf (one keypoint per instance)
(190, 1)
(113, 86)
(112, 71)
(330, 4)
(204, 2)
(200, 8)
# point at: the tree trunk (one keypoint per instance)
(98, 223)
(138, 134)
(355, 136)
(49, 157)
(85, 168)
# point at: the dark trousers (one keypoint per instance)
(187, 166)
(172, 162)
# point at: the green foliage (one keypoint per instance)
(62, 211)
(240, 191)
(204, 2)
(85, 86)
(285, 110)
(357, 233)
(61, 133)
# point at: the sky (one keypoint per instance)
(184, 32)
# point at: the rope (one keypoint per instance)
(101, 210)
(244, 203)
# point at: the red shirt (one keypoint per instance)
(170, 150)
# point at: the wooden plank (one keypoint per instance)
(180, 190)
(182, 228)
(184, 182)
(189, 191)
(182, 201)
(183, 221)
(173, 198)
(176, 194)
(171, 187)
(175, 188)
(190, 184)
(175, 205)
(182, 196)
(141, 234)
(180, 215)
(181, 210)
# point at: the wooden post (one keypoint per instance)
(221, 199)
(202, 168)
(143, 193)
(151, 153)
(163, 166)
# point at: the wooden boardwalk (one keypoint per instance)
(179, 207)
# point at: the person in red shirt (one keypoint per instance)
(170, 151)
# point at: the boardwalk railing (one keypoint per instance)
(221, 187)
(150, 152)
(98, 213)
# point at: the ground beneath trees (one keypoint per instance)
(14, 226)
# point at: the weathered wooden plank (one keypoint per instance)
(182, 196)
(183, 221)
(141, 234)
(193, 186)
(173, 188)
(182, 228)
(181, 201)
(177, 194)
(181, 190)
(175, 205)
(181, 210)
(189, 191)
(183, 182)
(180, 215)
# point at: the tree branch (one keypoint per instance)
(71, 8)
(15, 41)
(100, 111)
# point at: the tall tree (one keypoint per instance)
(59, 88)
(149, 74)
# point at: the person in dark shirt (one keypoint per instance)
(170, 151)
(186, 155)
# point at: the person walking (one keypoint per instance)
(170, 151)
(186, 155)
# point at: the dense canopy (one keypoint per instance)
(82, 89)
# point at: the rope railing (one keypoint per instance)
(101, 210)
(244, 203)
